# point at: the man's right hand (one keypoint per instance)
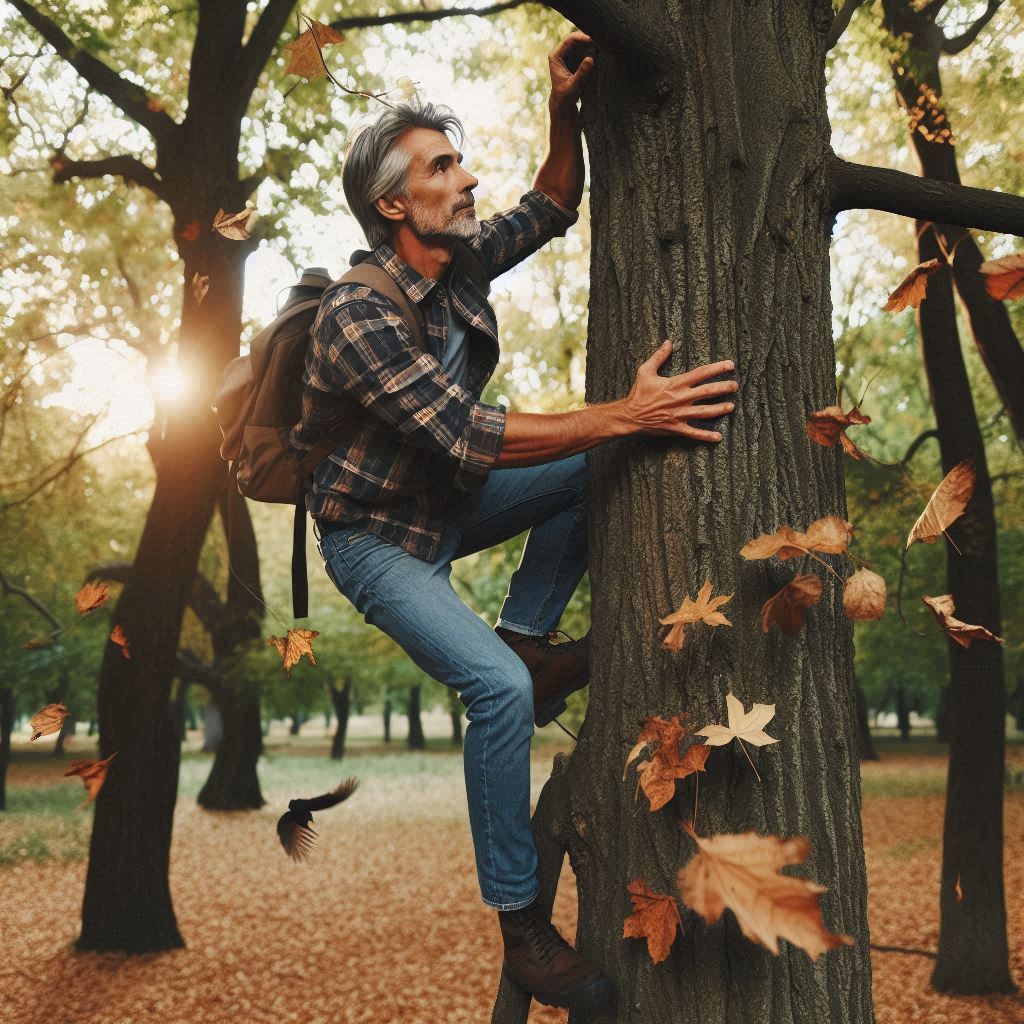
(664, 406)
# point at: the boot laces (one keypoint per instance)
(543, 935)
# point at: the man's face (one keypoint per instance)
(438, 203)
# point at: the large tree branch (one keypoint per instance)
(130, 168)
(859, 187)
(841, 22)
(957, 44)
(256, 52)
(190, 668)
(131, 98)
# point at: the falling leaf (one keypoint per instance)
(704, 609)
(118, 637)
(191, 231)
(741, 872)
(864, 596)
(913, 287)
(743, 725)
(90, 597)
(200, 286)
(1005, 277)
(92, 773)
(828, 427)
(657, 777)
(947, 503)
(47, 720)
(962, 632)
(957, 891)
(829, 535)
(293, 646)
(304, 57)
(789, 606)
(235, 226)
(655, 917)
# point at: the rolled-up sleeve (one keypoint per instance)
(509, 237)
(362, 349)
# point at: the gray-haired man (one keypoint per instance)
(434, 474)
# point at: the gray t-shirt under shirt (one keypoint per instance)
(456, 351)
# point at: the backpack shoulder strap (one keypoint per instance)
(377, 278)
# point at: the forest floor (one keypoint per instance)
(384, 923)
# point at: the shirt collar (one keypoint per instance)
(410, 280)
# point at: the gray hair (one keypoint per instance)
(376, 167)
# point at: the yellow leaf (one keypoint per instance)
(703, 609)
(292, 647)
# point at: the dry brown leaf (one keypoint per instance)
(658, 776)
(47, 720)
(235, 226)
(947, 503)
(784, 542)
(292, 647)
(1005, 277)
(864, 596)
(788, 608)
(118, 637)
(913, 288)
(655, 917)
(829, 535)
(703, 609)
(90, 597)
(200, 286)
(957, 891)
(743, 725)
(191, 231)
(828, 427)
(304, 57)
(962, 632)
(741, 872)
(92, 773)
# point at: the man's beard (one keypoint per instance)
(430, 224)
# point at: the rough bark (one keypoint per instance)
(417, 741)
(341, 699)
(711, 219)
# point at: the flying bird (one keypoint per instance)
(293, 829)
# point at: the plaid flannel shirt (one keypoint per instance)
(425, 436)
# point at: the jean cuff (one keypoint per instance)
(512, 906)
(516, 628)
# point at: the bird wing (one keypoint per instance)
(296, 838)
(321, 803)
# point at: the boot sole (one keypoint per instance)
(548, 712)
(594, 995)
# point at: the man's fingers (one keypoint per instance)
(707, 412)
(714, 389)
(568, 42)
(701, 435)
(699, 373)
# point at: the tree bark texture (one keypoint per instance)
(711, 225)
(341, 699)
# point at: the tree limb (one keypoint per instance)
(859, 187)
(916, 443)
(957, 44)
(190, 668)
(256, 52)
(129, 97)
(406, 17)
(932, 10)
(8, 589)
(841, 22)
(130, 168)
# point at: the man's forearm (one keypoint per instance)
(532, 439)
(560, 175)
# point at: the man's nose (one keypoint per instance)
(469, 181)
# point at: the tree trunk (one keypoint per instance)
(67, 729)
(942, 716)
(387, 719)
(342, 700)
(233, 783)
(865, 744)
(297, 719)
(59, 695)
(417, 741)
(127, 904)
(213, 727)
(902, 714)
(711, 226)
(6, 726)
(181, 709)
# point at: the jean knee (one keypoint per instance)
(504, 693)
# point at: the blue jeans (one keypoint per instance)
(414, 603)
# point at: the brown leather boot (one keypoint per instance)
(539, 961)
(557, 669)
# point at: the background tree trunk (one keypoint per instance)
(6, 727)
(865, 744)
(711, 226)
(213, 727)
(233, 784)
(387, 719)
(942, 715)
(902, 714)
(417, 741)
(342, 700)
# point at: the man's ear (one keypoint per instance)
(391, 207)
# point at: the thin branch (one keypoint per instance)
(407, 17)
(957, 44)
(857, 186)
(130, 168)
(253, 57)
(841, 22)
(129, 97)
(904, 949)
(933, 9)
(8, 589)
(916, 443)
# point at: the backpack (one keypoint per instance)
(259, 398)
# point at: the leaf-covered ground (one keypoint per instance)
(384, 923)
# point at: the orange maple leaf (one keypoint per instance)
(962, 632)
(788, 608)
(90, 597)
(947, 503)
(741, 872)
(304, 57)
(655, 917)
(1005, 277)
(829, 535)
(828, 427)
(864, 596)
(292, 647)
(117, 636)
(47, 720)
(658, 776)
(703, 609)
(913, 288)
(92, 773)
